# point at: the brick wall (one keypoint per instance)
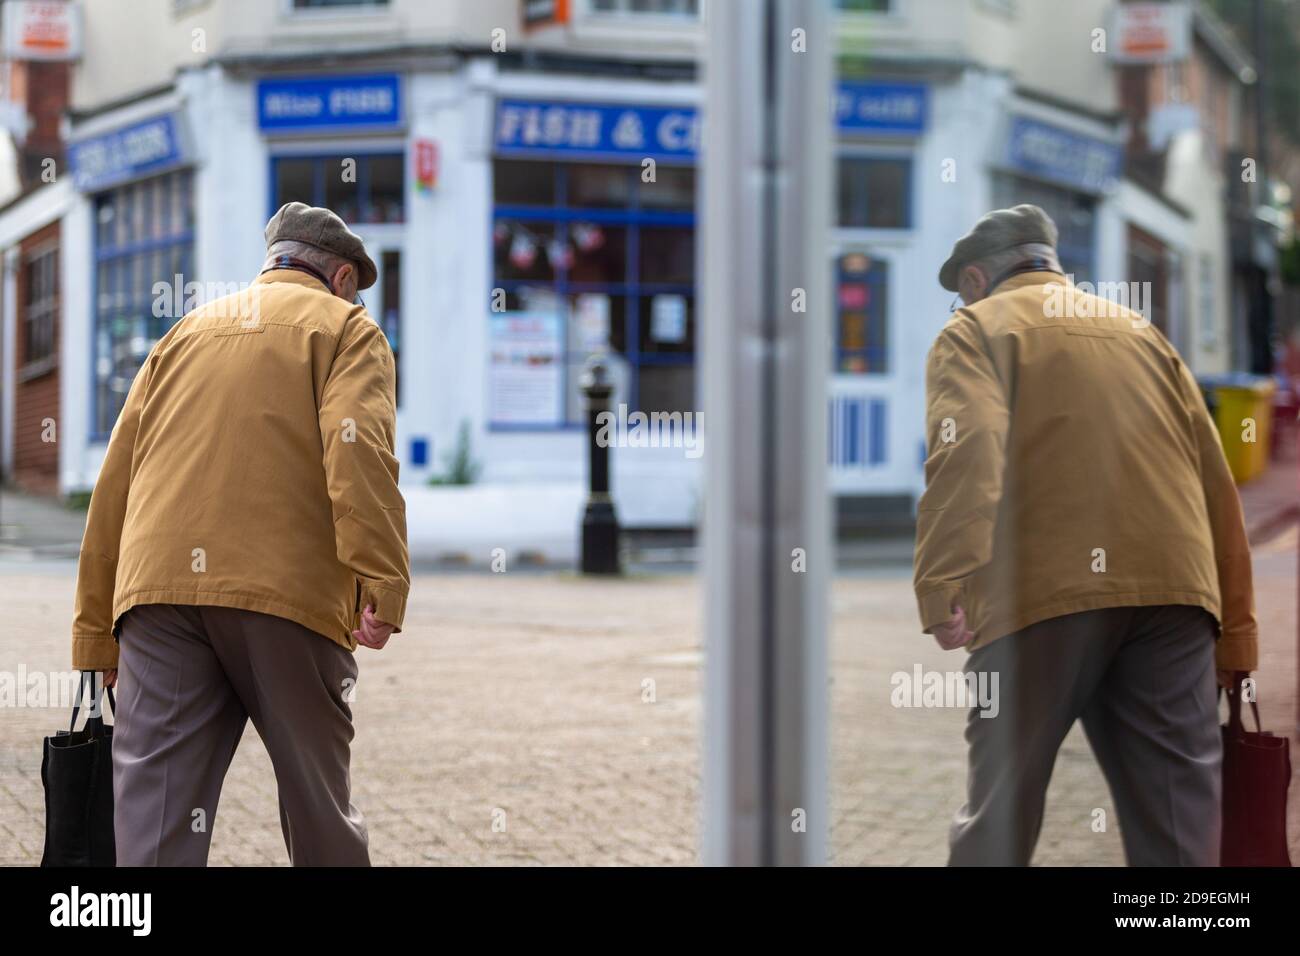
(36, 390)
(43, 89)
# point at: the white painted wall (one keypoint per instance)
(1190, 179)
(145, 49)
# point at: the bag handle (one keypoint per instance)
(97, 699)
(1235, 725)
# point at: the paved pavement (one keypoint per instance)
(521, 698)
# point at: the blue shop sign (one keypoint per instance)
(1061, 156)
(316, 103)
(597, 130)
(881, 107)
(141, 149)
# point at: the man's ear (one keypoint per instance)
(340, 278)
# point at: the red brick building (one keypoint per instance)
(32, 310)
(35, 360)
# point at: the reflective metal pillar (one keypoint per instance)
(766, 189)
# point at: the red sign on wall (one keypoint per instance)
(426, 165)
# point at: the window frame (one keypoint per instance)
(320, 156)
(119, 257)
(44, 312)
(872, 152)
(356, 8)
(624, 15)
(633, 217)
(893, 11)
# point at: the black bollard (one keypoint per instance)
(599, 522)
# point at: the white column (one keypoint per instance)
(8, 345)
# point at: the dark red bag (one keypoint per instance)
(1256, 775)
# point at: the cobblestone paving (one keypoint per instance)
(523, 693)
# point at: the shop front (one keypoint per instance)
(879, 127)
(593, 254)
(137, 188)
(340, 142)
(1066, 172)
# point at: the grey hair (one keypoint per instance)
(995, 263)
(326, 262)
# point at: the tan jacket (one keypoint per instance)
(1073, 466)
(252, 466)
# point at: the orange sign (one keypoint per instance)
(42, 30)
(545, 13)
(1152, 32)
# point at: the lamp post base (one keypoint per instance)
(600, 539)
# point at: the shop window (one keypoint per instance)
(371, 191)
(522, 250)
(144, 233)
(295, 181)
(874, 193)
(591, 260)
(41, 306)
(673, 187)
(383, 202)
(861, 315)
(866, 6)
(667, 254)
(598, 186)
(328, 4)
(523, 183)
(687, 8)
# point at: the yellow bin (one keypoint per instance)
(1243, 412)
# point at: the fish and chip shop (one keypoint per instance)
(515, 236)
(592, 240)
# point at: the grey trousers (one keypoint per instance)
(189, 678)
(1142, 681)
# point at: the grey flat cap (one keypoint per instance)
(995, 231)
(323, 229)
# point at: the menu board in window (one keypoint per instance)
(524, 370)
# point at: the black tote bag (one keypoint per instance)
(1256, 775)
(77, 772)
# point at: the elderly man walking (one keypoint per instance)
(1080, 534)
(246, 533)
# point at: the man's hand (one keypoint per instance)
(110, 678)
(373, 632)
(953, 634)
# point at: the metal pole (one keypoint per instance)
(767, 547)
(599, 521)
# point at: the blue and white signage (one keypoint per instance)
(598, 130)
(881, 107)
(1062, 156)
(141, 149)
(329, 103)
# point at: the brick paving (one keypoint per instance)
(519, 697)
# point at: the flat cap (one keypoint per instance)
(323, 229)
(994, 232)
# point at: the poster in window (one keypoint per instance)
(592, 314)
(668, 319)
(525, 374)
